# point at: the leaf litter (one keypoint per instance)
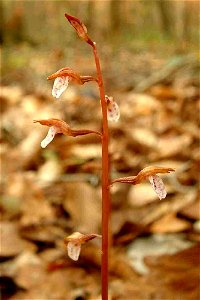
(49, 194)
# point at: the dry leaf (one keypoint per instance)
(11, 242)
(169, 223)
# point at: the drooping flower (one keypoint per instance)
(149, 173)
(75, 241)
(63, 77)
(113, 111)
(56, 126)
(60, 126)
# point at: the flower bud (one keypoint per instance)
(80, 28)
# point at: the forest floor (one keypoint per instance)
(48, 194)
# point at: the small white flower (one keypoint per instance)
(73, 250)
(59, 86)
(50, 136)
(74, 242)
(158, 186)
(113, 111)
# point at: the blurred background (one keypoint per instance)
(149, 53)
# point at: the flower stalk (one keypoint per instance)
(110, 112)
(105, 181)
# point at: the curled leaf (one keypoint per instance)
(113, 111)
(74, 242)
(80, 28)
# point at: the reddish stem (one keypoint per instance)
(78, 132)
(105, 182)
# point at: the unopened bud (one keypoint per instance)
(80, 28)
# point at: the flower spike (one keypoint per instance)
(80, 28)
(74, 242)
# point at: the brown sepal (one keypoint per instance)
(64, 128)
(79, 238)
(68, 72)
(143, 174)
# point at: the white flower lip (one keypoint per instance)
(73, 250)
(50, 136)
(59, 86)
(113, 111)
(158, 186)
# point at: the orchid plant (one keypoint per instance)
(110, 112)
